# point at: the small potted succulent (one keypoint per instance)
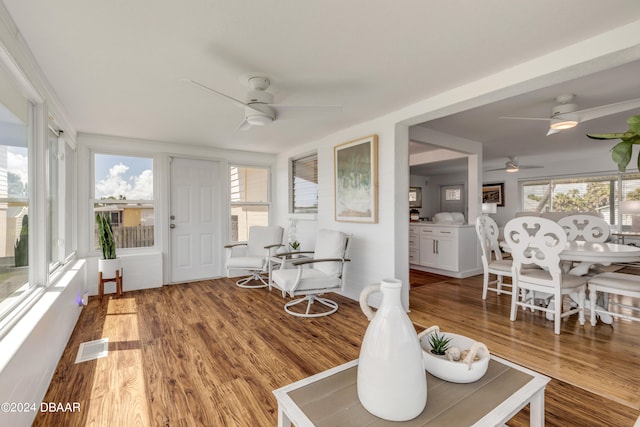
(295, 247)
(439, 343)
(453, 357)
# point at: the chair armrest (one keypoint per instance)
(309, 261)
(275, 245)
(235, 244)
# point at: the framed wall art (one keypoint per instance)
(493, 193)
(356, 180)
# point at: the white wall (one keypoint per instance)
(28, 361)
(373, 245)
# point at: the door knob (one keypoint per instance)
(172, 226)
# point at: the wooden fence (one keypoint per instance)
(131, 237)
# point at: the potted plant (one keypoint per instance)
(109, 263)
(621, 152)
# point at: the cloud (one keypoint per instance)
(18, 164)
(118, 184)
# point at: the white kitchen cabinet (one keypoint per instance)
(451, 250)
(414, 244)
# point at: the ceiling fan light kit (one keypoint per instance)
(512, 166)
(562, 123)
(565, 115)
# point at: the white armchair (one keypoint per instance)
(253, 255)
(314, 276)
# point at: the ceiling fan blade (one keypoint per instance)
(286, 112)
(607, 110)
(525, 118)
(207, 88)
(494, 170)
(530, 167)
(245, 125)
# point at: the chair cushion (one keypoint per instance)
(260, 236)
(312, 279)
(501, 264)
(247, 262)
(329, 244)
(540, 276)
(627, 282)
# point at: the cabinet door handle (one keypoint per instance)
(437, 246)
(445, 232)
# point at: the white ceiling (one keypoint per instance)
(527, 139)
(116, 65)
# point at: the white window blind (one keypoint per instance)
(304, 184)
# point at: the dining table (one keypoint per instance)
(583, 255)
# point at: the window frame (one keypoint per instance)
(617, 191)
(233, 204)
(292, 185)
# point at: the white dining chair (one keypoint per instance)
(585, 227)
(622, 284)
(492, 262)
(539, 241)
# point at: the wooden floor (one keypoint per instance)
(209, 354)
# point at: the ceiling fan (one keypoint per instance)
(566, 115)
(512, 165)
(259, 109)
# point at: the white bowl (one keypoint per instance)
(457, 372)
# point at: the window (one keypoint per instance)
(304, 184)
(249, 194)
(123, 189)
(53, 194)
(16, 114)
(602, 193)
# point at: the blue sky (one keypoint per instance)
(131, 177)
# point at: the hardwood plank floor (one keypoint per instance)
(209, 354)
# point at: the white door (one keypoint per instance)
(195, 220)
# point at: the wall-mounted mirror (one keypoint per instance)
(415, 197)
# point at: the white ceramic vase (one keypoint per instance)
(391, 380)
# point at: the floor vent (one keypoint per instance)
(92, 350)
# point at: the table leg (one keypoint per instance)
(536, 409)
(283, 419)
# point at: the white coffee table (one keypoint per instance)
(330, 398)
